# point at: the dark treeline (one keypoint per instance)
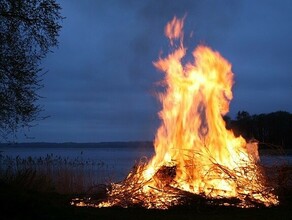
(269, 129)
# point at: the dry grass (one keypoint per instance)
(53, 173)
(275, 179)
(42, 176)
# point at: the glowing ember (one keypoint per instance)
(195, 154)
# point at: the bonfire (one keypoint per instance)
(196, 157)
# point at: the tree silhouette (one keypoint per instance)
(274, 128)
(28, 29)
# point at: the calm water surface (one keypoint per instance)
(118, 159)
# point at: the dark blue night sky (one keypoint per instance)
(101, 82)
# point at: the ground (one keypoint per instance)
(19, 203)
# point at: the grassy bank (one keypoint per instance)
(20, 203)
(62, 175)
(31, 189)
(34, 201)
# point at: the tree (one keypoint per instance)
(269, 129)
(28, 29)
(242, 115)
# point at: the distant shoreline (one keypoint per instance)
(117, 144)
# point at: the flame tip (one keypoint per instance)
(194, 152)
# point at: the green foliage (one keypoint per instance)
(28, 29)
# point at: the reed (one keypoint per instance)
(53, 173)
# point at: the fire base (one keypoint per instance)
(134, 192)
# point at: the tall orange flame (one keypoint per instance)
(195, 153)
(192, 135)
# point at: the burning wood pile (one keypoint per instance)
(197, 160)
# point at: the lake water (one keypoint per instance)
(117, 160)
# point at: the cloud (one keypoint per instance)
(101, 80)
